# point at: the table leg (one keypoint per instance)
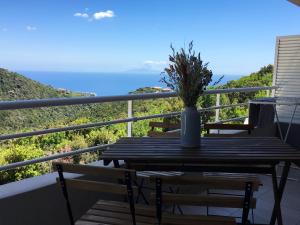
(278, 192)
(106, 162)
(290, 124)
(116, 163)
(278, 123)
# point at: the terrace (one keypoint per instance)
(38, 200)
(17, 196)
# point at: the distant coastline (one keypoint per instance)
(101, 84)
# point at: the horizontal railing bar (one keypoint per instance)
(99, 124)
(244, 89)
(84, 126)
(52, 157)
(36, 103)
(61, 129)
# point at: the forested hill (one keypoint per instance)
(15, 86)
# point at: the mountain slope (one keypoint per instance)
(15, 86)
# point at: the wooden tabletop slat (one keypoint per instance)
(229, 149)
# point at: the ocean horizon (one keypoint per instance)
(104, 83)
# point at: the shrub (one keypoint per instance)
(20, 153)
(78, 142)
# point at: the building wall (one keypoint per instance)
(287, 74)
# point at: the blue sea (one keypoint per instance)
(102, 83)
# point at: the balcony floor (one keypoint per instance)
(290, 204)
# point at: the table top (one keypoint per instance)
(276, 101)
(212, 150)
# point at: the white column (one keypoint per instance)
(129, 124)
(217, 110)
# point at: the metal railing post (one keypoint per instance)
(217, 110)
(129, 124)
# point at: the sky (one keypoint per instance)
(236, 37)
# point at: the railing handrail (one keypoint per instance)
(37, 103)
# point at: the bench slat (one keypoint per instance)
(164, 125)
(221, 126)
(163, 134)
(196, 220)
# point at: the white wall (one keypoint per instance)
(287, 74)
(39, 201)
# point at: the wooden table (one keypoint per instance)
(238, 154)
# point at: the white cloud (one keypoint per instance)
(82, 15)
(102, 15)
(30, 28)
(96, 16)
(155, 63)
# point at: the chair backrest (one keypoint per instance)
(246, 184)
(123, 188)
(171, 129)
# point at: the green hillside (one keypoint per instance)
(15, 86)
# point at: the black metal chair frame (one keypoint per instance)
(246, 205)
(130, 195)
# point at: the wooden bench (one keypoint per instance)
(229, 127)
(246, 184)
(104, 211)
(172, 129)
(168, 129)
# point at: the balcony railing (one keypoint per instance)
(25, 104)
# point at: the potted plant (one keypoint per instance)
(189, 76)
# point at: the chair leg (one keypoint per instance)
(140, 191)
(180, 210)
(65, 193)
(252, 215)
(247, 201)
(174, 205)
(278, 192)
(207, 210)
